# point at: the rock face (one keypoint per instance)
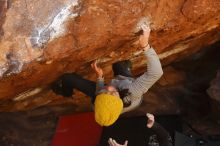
(41, 39)
(214, 93)
(214, 89)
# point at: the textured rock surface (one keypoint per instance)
(214, 93)
(40, 39)
(214, 89)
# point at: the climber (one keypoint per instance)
(155, 134)
(123, 93)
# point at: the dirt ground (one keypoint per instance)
(31, 128)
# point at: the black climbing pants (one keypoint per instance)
(69, 81)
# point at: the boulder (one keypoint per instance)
(41, 39)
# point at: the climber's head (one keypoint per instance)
(108, 106)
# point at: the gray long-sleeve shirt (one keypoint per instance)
(137, 87)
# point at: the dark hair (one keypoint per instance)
(124, 95)
(122, 68)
